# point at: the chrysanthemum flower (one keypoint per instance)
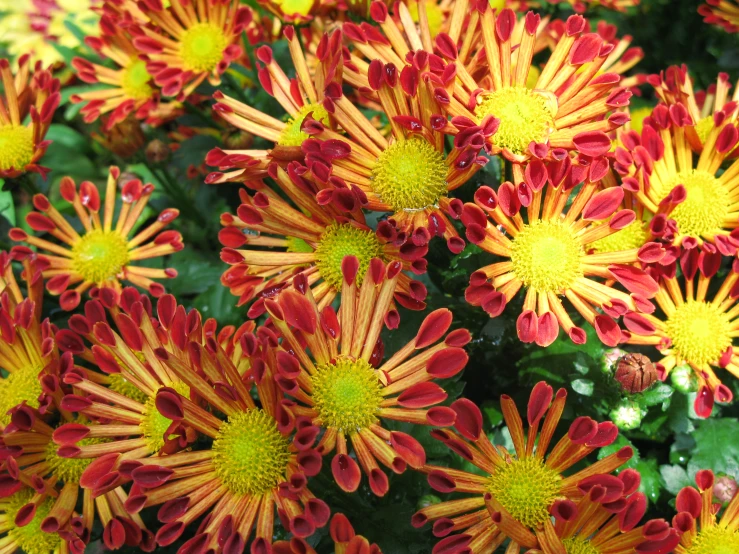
(580, 6)
(307, 239)
(30, 91)
(187, 42)
(570, 97)
(660, 169)
(102, 256)
(553, 252)
(701, 531)
(332, 367)
(695, 328)
(518, 491)
(724, 13)
(301, 98)
(346, 541)
(21, 529)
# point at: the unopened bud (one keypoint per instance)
(725, 488)
(683, 379)
(610, 358)
(636, 373)
(627, 415)
(157, 151)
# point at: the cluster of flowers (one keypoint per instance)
(137, 405)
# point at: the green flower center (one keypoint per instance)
(704, 128)
(525, 117)
(153, 424)
(340, 240)
(99, 255)
(16, 147)
(706, 206)
(292, 135)
(202, 46)
(69, 470)
(346, 394)
(576, 545)
(700, 332)
(20, 385)
(136, 79)
(546, 256)
(410, 175)
(715, 540)
(29, 538)
(526, 488)
(250, 454)
(631, 236)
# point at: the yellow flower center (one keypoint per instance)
(527, 489)
(346, 394)
(29, 538)
(546, 256)
(525, 117)
(153, 424)
(123, 386)
(295, 244)
(69, 470)
(99, 255)
(631, 236)
(292, 135)
(340, 240)
(433, 13)
(202, 46)
(498, 4)
(707, 204)
(576, 545)
(410, 175)
(16, 147)
(704, 128)
(715, 540)
(22, 384)
(700, 332)
(295, 7)
(250, 454)
(135, 80)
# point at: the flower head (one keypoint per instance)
(724, 13)
(518, 491)
(552, 252)
(103, 255)
(23, 519)
(340, 383)
(30, 91)
(346, 541)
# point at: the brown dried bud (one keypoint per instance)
(725, 489)
(157, 151)
(635, 373)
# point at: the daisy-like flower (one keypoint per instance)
(695, 328)
(301, 98)
(259, 460)
(571, 95)
(518, 491)
(724, 13)
(307, 239)
(130, 88)
(332, 366)
(659, 168)
(580, 6)
(552, 252)
(30, 91)
(21, 529)
(701, 530)
(103, 255)
(187, 42)
(346, 541)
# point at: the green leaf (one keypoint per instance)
(660, 393)
(7, 205)
(195, 273)
(675, 478)
(583, 386)
(716, 447)
(651, 480)
(218, 302)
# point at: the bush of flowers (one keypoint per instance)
(364, 276)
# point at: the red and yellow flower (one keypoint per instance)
(553, 252)
(518, 491)
(103, 255)
(34, 92)
(22, 524)
(346, 541)
(332, 366)
(724, 13)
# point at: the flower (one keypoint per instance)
(103, 255)
(549, 254)
(29, 91)
(658, 167)
(346, 541)
(570, 96)
(696, 520)
(124, 139)
(724, 13)
(333, 369)
(306, 238)
(517, 492)
(580, 6)
(259, 460)
(187, 42)
(24, 533)
(695, 328)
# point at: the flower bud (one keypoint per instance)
(157, 151)
(635, 372)
(725, 488)
(627, 415)
(683, 379)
